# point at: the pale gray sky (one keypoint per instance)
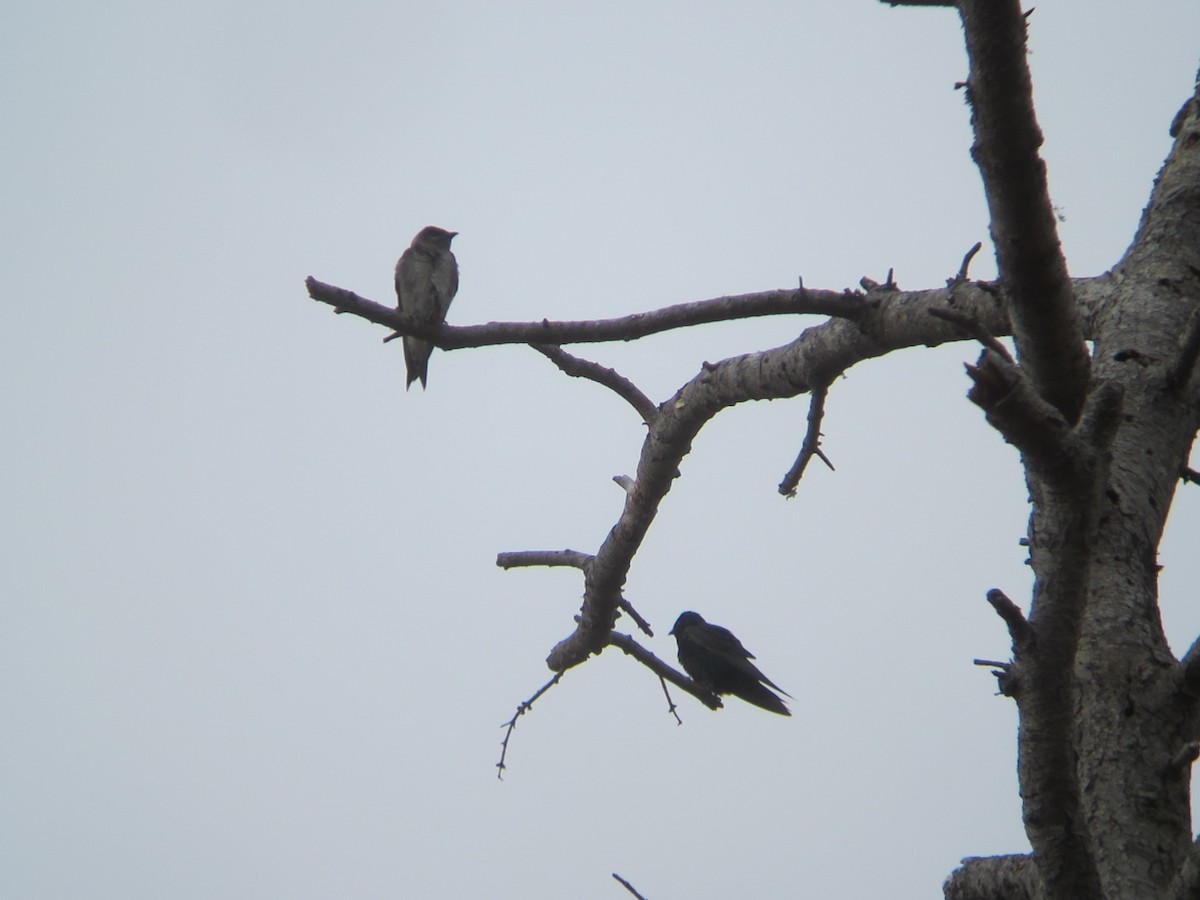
(252, 639)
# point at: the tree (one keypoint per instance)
(1101, 401)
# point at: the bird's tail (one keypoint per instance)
(416, 360)
(762, 697)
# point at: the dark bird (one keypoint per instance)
(426, 281)
(717, 661)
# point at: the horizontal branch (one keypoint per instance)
(519, 558)
(840, 304)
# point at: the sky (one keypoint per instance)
(253, 641)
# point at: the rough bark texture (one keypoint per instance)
(1104, 712)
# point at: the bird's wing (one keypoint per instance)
(412, 276)
(719, 640)
(725, 644)
(445, 281)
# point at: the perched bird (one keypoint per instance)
(716, 660)
(426, 281)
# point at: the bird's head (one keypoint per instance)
(685, 621)
(432, 236)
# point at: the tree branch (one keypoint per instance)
(626, 607)
(840, 304)
(519, 558)
(961, 277)
(994, 878)
(629, 887)
(812, 443)
(1033, 272)
(1015, 409)
(523, 707)
(973, 329)
(820, 354)
(1018, 627)
(631, 647)
(577, 367)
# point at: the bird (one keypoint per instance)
(426, 282)
(717, 661)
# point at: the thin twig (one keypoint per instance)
(670, 703)
(961, 277)
(812, 443)
(974, 329)
(628, 886)
(626, 607)
(632, 648)
(577, 367)
(522, 708)
(1190, 475)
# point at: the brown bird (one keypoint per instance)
(716, 660)
(426, 282)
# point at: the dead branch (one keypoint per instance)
(670, 703)
(627, 644)
(1015, 409)
(811, 445)
(626, 607)
(519, 558)
(838, 304)
(961, 277)
(629, 887)
(1018, 626)
(578, 367)
(1033, 273)
(523, 707)
(973, 329)
(820, 354)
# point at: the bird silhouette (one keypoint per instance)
(717, 661)
(426, 282)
